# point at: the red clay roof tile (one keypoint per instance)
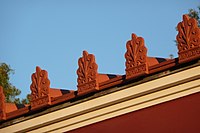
(10, 110)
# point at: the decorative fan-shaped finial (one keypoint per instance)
(87, 73)
(136, 57)
(188, 39)
(2, 105)
(39, 88)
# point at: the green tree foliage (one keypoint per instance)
(10, 91)
(26, 100)
(195, 14)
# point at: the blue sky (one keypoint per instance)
(53, 33)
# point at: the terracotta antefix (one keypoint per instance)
(40, 88)
(87, 74)
(188, 39)
(136, 57)
(2, 105)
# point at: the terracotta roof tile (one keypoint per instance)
(10, 110)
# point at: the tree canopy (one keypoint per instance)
(10, 91)
(195, 14)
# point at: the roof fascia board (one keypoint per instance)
(123, 108)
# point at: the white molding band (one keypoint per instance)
(129, 99)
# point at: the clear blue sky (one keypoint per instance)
(53, 33)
